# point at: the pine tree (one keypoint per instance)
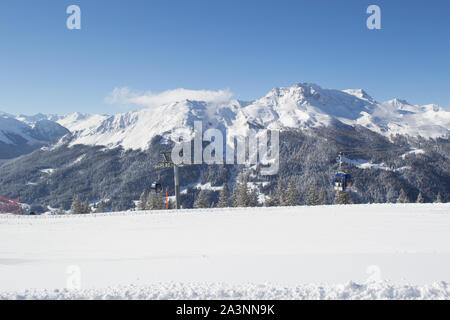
(322, 200)
(420, 198)
(149, 204)
(61, 210)
(223, 200)
(342, 198)
(313, 197)
(280, 192)
(201, 201)
(242, 198)
(85, 207)
(438, 199)
(155, 202)
(101, 207)
(403, 197)
(160, 201)
(272, 200)
(291, 194)
(76, 207)
(253, 198)
(234, 195)
(143, 200)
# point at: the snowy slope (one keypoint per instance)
(248, 249)
(11, 128)
(399, 117)
(16, 130)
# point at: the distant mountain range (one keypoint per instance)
(301, 106)
(112, 156)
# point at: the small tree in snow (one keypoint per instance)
(253, 197)
(85, 207)
(313, 197)
(322, 200)
(342, 198)
(201, 201)
(272, 200)
(223, 200)
(403, 197)
(76, 207)
(143, 199)
(101, 207)
(420, 198)
(155, 202)
(438, 199)
(291, 194)
(280, 192)
(61, 210)
(240, 193)
(114, 207)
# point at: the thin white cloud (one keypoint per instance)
(125, 96)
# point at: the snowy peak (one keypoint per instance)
(305, 105)
(360, 94)
(32, 119)
(398, 104)
(79, 121)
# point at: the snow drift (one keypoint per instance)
(222, 291)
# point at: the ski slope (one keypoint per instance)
(399, 251)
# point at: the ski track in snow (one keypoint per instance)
(381, 251)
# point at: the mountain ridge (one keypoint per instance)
(20, 137)
(300, 106)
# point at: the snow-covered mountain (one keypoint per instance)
(399, 117)
(14, 130)
(19, 136)
(135, 129)
(301, 106)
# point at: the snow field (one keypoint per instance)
(357, 251)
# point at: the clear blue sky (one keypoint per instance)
(248, 46)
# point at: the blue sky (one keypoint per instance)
(246, 46)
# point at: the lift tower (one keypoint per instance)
(168, 163)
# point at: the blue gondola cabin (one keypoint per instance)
(342, 181)
(156, 187)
